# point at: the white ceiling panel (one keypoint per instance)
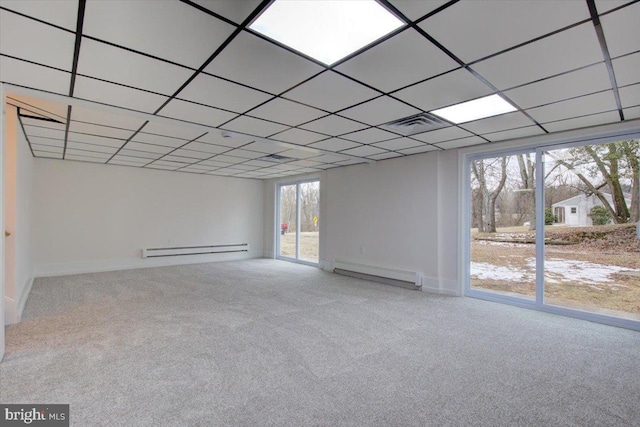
(278, 68)
(99, 116)
(44, 132)
(189, 154)
(183, 132)
(606, 5)
(485, 27)
(328, 158)
(440, 135)
(415, 9)
(380, 110)
(128, 160)
(158, 140)
(209, 149)
(40, 107)
(588, 80)
(632, 113)
(259, 163)
(616, 26)
(232, 141)
(586, 121)
(287, 112)
(298, 136)
(26, 121)
(34, 76)
(220, 93)
(71, 151)
(298, 154)
(462, 142)
(331, 92)
(170, 30)
(61, 13)
(120, 96)
(364, 150)
(421, 149)
(514, 133)
(121, 66)
(96, 140)
(397, 62)
(451, 88)
(225, 158)
(626, 69)
(630, 95)
(91, 147)
(333, 125)
(237, 11)
(47, 154)
(552, 55)
(590, 104)
(334, 144)
(214, 163)
(265, 147)
(150, 148)
(304, 163)
(251, 126)
(45, 45)
(385, 156)
(91, 129)
(47, 148)
(196, 113)
(398, 144)
(369, 136)
(35, 140)
(83, 158)
(498, 123)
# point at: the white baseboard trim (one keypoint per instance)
(98, 266)
(10, 311)
(24, 296)
(440, 286)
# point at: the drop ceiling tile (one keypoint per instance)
(246, 154)
(462, 142)
(83, 158)
(91, 129)
(328, 158)
(304, 163)
(448, 89)
(370, 136)
(265, 147)
(416, 150)
(44, 132)
(226, 158)
(287, 112)
(237, 11)
(621, 30)
(514, 133)
(474, 29)
(47, 155)
(298, 136)
(92, 147)
(87, 153)
(398, 144)
(120, 96)
(168, 30)
(331, 92)
(102, 117)
(588, 80)
(334, 144)
(626, 69)
(606, 5)
(380, 110)
(397, 62)
(585, 121)
(363, 151)
(251, 126)
(63, 14)
(96, 140)
(140, 154)
(220, 93)
(198, 168)
(183, 152)
(440, 135)
(215, 163)
(231, 141)
(175, 161)
(590, 104)
(161, 167)
(26, 121)
(47, 148)
(259, 163)
(278, 68)
(128, 160)
(121, 66)
(417, 9)
(167, 163)
(158, 140)
(630, 95)
(45, 45)
(353, 161)
(196, 113)
(35, 140)
(34, 76)
(299, 154)
(385, 156)
(498, 123)
(243, 167)
(552, 55)
(632, 113)
(209, 149)
(333, 125)
(152, 148)
(179, 130)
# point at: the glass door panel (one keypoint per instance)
(503, 250)
(309, 220)
(299, 222)
(288, 220)
(591, 259)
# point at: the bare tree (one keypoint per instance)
(494, 172)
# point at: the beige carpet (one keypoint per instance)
(265, 342)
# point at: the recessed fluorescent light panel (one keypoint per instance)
(480, 108)
(326, 30)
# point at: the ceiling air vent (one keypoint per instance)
(276, 158)
(412, 125)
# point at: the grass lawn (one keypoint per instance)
(308, 245)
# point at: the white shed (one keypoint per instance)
(574, 211)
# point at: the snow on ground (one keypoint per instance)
(556, 271)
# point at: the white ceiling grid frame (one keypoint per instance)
(117, 95)
(333, 125)
(35, 76)
(287, 112)
(614, 25)
(196, 113)
(379, 111)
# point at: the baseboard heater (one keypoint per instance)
(194, 250)
(388, 276)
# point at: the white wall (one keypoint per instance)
(94, 217)
(402, 212)
(18, 188)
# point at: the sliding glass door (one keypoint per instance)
(568, 246)
(299, 223)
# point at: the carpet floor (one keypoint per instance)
(270, 343)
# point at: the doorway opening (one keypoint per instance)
(298, 225)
